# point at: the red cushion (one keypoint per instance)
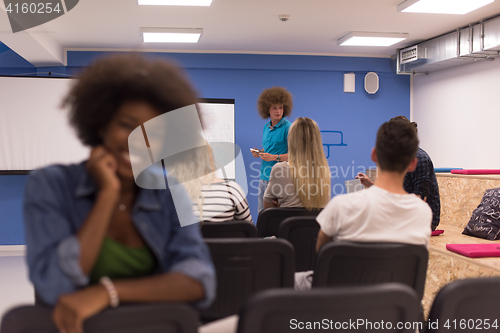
(477, 171)
(437, 232)
(475, 250)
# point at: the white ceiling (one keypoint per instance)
(239, 26)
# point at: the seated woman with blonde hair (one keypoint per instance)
(303, 181)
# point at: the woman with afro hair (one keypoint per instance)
(94, 238)
(275, 103)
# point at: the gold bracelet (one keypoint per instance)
(111, 290)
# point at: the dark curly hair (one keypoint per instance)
(111, 81)
(274, 95)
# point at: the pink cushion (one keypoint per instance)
(475, 250)
(437, 232)
(477, 171)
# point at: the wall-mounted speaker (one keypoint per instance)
(371, 83)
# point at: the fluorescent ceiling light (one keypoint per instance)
(371, 39)
(442, 6)
(170, 35)
(176, 2)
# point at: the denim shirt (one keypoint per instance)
(274, 141)
(56, 203)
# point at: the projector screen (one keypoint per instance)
(35, 132)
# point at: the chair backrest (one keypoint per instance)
(269, 219)
(302, 232)
(466, 306)
(351, 309)
(347, 264)
(245, 267)
(229, 229)
(144, 318)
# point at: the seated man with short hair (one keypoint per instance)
(385, 212)
(422, 181)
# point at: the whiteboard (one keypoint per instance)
(218, 119)
(35, 131)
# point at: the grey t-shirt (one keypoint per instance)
(281, 187)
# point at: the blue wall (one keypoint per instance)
(12, 64)
(316, 83)
(11, 219)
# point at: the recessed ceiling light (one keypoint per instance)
(176, 2)
(442, 6)
(371, 39)
(170, 35)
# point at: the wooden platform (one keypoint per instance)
(460, 195)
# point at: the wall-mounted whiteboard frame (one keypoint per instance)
(34, 130)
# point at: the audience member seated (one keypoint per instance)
(303, 181)
(220, 200)
(94, 238)
(223, 200)
(421, 181)
(385, 212)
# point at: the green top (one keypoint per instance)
(119, 261)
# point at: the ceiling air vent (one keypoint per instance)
(411, 54)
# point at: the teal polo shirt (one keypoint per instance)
(274, 141)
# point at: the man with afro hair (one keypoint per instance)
(275, 103)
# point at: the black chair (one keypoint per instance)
(229, 229)
(466, 306)
(348, 264)
(352, 309)
(269, 219)
(144, 318)
(302, 232)
(245, 267)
